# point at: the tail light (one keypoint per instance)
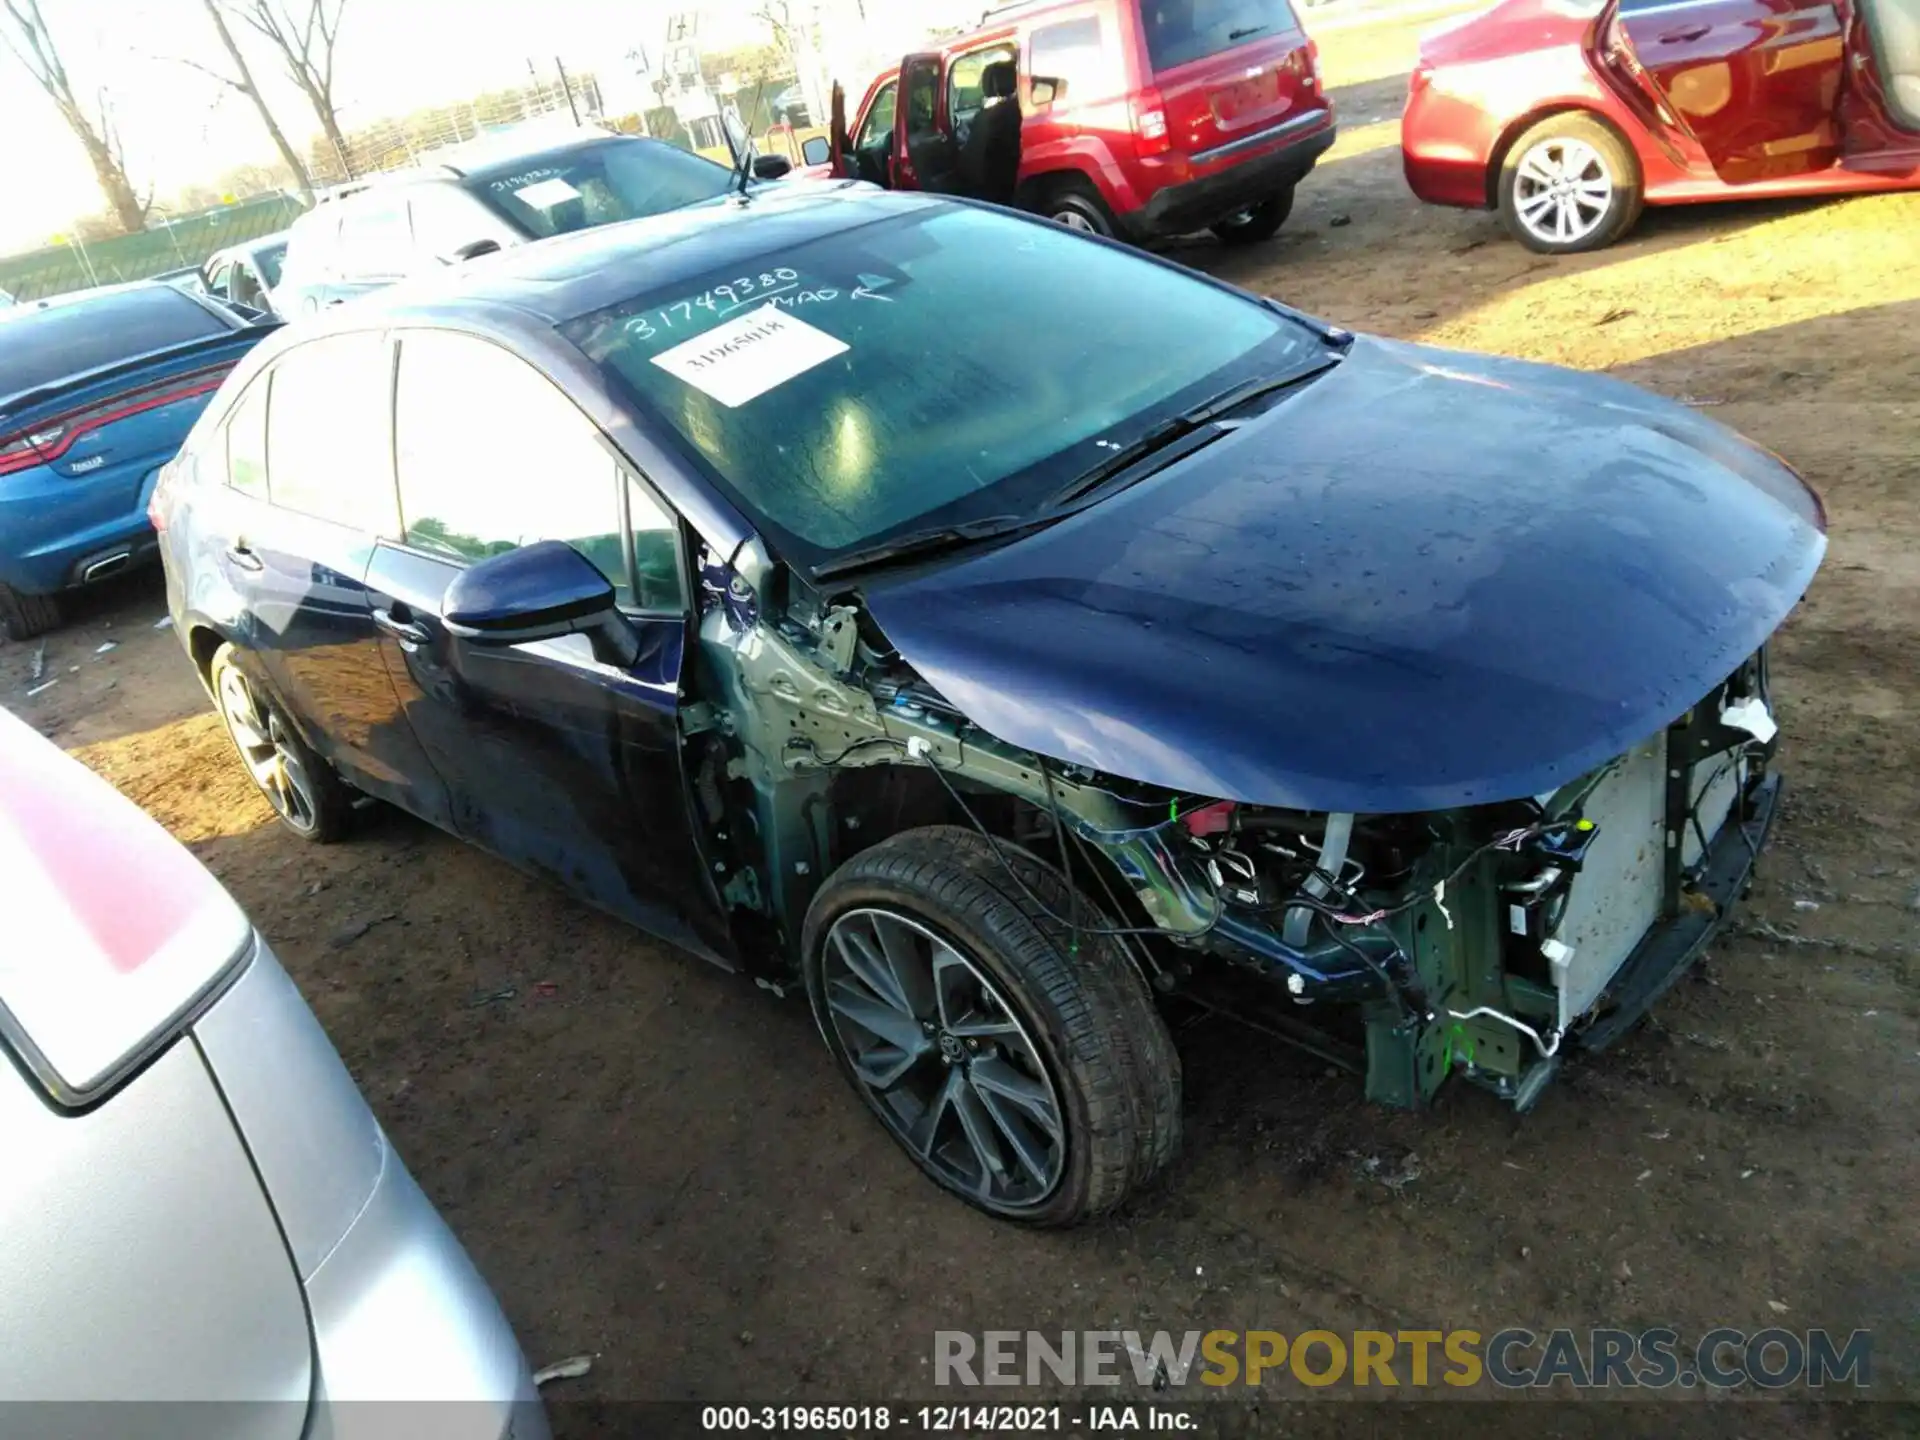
(47, 441)
(1421, 78)
(1313, 63)
(1150, 124)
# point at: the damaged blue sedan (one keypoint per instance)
(998, 636)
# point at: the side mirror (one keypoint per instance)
(770, 167)
(473, 250)
(538, 592)
(816, 151)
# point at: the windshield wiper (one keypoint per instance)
(1243, 33)
(930, 541)
(1170, 431)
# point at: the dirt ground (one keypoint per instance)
(654, 1163)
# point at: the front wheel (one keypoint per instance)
(1032, 1079)
(1569, 185)
(1257, 222)
(309, 798)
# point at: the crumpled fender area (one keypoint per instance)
(1427, 580)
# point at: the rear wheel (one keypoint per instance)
(1030, 1078)
(25, 616)
(1257, 222)
(1569, 185)
(1078, 206)
(309, 798)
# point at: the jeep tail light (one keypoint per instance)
(1313, 63)
(46, 441)
(1150, 124)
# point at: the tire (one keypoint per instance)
(23, 617)
(1262, 222)
(305, 793)
(1088, 1035)
(1604, 207)
(1078, 206)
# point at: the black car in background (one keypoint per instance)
(486, 197)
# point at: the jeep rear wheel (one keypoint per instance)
(1033, 1080)
(1078, 206)
(1257, 222)
(24, 616)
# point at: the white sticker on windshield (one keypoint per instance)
(545, 194)
(749, 355)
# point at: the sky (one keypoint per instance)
(181, 127)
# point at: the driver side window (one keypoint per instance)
(492, 456)
(877, 128)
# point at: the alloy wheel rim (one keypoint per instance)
(944, 1059)
(1074, 220)
(1563, 190)
(262, 740)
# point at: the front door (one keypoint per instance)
(1755, 83)
(555, 760)
(310, 476)
(1880, 111)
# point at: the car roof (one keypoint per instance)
(556, 280)
(115, 932)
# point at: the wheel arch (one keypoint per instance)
(1503, 146)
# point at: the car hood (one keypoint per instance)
(1427, 579)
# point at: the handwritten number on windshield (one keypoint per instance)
(719, 301)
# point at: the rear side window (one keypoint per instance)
(492, 457)
(40, 347)
(327, 432)
(1179, 31)
(247, 442)
(965, 94)
(1070, 63)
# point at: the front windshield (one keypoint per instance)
(624, 179)
(945, 365)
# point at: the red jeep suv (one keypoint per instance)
(1135, 118)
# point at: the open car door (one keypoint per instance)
(1880, 107)
(838, 145)
(1751, 82)
(923, 145)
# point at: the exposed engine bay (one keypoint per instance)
(1482, 941)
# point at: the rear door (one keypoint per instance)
(1229, 72)
(1880, 108)
(923, 148)
(554, 760)
(296, 554)
(1755, 83)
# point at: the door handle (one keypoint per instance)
(240, 555)
(410, 634)
(1687, 35)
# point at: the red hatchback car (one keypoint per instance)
(1568, 117)
(1135, 118)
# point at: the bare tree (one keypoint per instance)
(27, 36)
(243, 82)
(305, 42)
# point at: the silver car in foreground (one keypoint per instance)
(200, 1213)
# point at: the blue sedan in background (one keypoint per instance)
(97, 390)
(993, 633)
